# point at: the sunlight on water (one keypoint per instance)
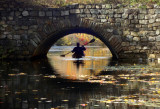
(95, 60)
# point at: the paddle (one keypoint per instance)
(84, 44)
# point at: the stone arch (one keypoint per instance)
(48, 34)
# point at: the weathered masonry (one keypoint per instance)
(29, 31)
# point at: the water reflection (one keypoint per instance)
(79, 69)
(37, 84)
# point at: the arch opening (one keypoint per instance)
(91, 43)
(43, 48)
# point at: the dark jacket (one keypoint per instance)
(78, 52)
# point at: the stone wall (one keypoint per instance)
(29, 31)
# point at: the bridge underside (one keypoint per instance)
(111, 40)
(43, 48)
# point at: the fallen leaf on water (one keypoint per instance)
(35, 90)
(11, 74)
(43, 98)
(22, 74)
(49, 101)
(18, 92)
(65, 100)
(83, 105)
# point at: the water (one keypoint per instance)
(96, 82)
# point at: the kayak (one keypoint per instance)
(77, 55)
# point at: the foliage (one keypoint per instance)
(82, 38)
(60, 3)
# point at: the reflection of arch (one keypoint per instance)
(50, 33)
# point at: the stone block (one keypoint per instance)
(157, 43)
(151, 11)
(151, 20)
(9, 36)
(81, 10)
(152, 56)
(143, 21)
(108, 6)
(93, 6)
(56, 13)
(89, 15)
(125, 43)
(158, 20)
(98, 7)
(88, 6)
(103, 6)
(25, 13)
(126, 22)
(124, 16)
(33, 43)
(103, 20)
(135, 21)
(12, 13)
(133, 43)
(136, 39)
(143, 11)
(148, 17)
(130, 17)
(3, 36)
(94, 11)
(86, 11)
(155, 28)
(33, 13)
(75, 11)
(10, 18)
(120, 11)
(144, 39)
(157, 32)
(134, 33)
(158, 38)
(129, 38)
(118, 15)
(17, 13)
(132, 48)
(64, 13)
(141, 16)
(24, 27)
(156, 24)
(41, 13)
(49, 13)
(81, 6)
(138, 47)
(151, 38)
(145, 48)
(16, 37)
(157, 11)
(101, 16)
(126, 33)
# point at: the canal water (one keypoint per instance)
(93, 82)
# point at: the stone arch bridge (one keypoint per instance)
(29, 31)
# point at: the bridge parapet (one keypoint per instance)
(29, 31)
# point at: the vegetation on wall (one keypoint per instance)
(60, 3)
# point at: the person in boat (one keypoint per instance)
(78, 51)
